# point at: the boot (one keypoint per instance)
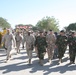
(41, 62)
(9, 56)
(29, 61)
(6, 59)
(50, 61)
(19, 50)
(60, 60)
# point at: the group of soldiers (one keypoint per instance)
(42, 42)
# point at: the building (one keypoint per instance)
(22, 27)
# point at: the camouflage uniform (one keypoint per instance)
(61, 43)
(72, 48)
(51, 39)
(41, 45)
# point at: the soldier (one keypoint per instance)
(41, 44)
(7, 40)
(36, 35)
(51, 39)
(61, 43)
(18, 39)
(29, 46)
(72, 47)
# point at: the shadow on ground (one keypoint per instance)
(47, 69)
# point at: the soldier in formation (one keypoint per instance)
(72, 47)
(41, 44)
(61, 44)
(18, 39)
(29, 46)
(51, 39)
(7, 40)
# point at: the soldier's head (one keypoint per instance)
(62, 32)
(41, 33)
(28, 33)
(8, 31)
(73, 33)
(18, 33)
(50, 31)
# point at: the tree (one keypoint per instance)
(47, 23)
(4, 23)
(35, 28)
(71, 26)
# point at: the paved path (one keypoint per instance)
(18, 65)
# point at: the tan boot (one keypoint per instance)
(29, 61)
(6, 60)
(9, 56)
(60, 60)
(50, 61)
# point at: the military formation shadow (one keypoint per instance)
(47, 69)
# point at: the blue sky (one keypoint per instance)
(31, 11)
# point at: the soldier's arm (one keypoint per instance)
(45, 42)
(35, 44)
(12, 38)
(54, 38)
(33, 40)
(3, 39)
(20, 39)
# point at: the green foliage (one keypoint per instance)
(4, 23)
(35, 28)
(48, 23)
(71, 26)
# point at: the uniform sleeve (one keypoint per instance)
(54, 38)
(47, 38)
(66, 40)
(36, 41)
(33, 40)
(45, 42)
(3, 39)
(12, 38)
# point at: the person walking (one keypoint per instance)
(72, 47)
(61, 44)
(7, 40)
(29, 46)
(51, 39)
(41, 45)
(18, 39)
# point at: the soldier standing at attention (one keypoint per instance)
(41, 44)
(61, 44)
